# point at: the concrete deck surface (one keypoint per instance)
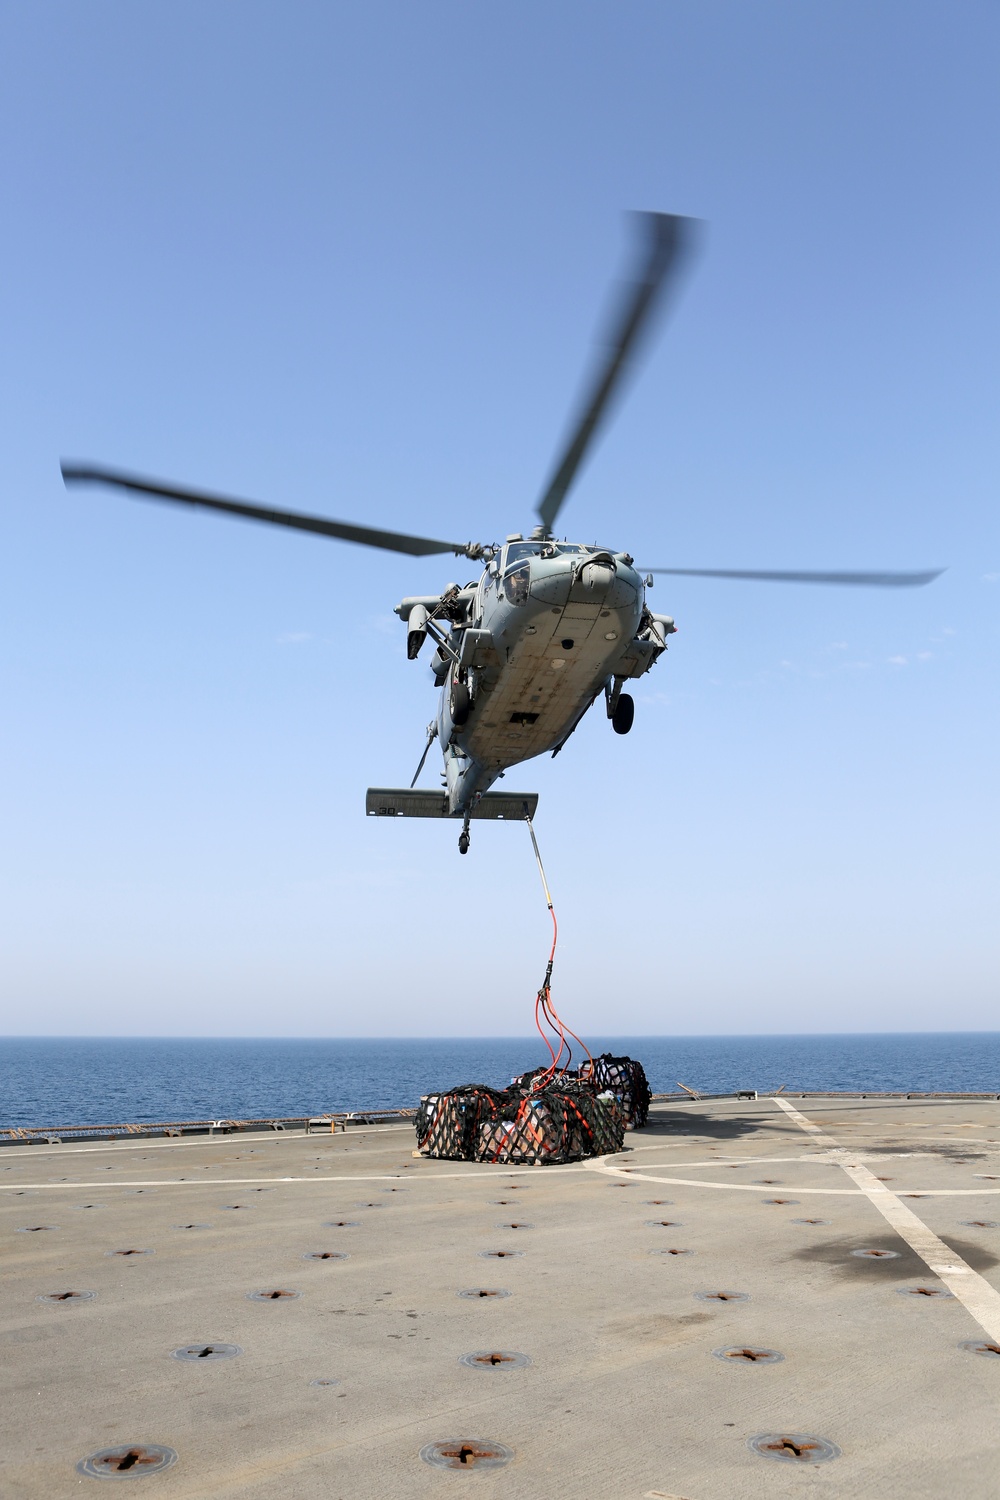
(623, 1397)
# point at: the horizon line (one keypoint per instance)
(519, 1037)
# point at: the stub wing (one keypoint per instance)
(395, 802)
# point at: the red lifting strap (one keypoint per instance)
(543, 1001)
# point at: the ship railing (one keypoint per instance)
(691, 1095)
(23, 1135)
(336, 1120)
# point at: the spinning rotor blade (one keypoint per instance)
(872, 580)
(367, 536)
(666, 236)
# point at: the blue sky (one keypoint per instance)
(352, 260)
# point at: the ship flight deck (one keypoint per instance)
(790, 1296)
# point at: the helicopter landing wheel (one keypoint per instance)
(621, 719)
(461, 703)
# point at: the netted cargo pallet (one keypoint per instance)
(560, 1123)
(448, 1124)
(626, 1079)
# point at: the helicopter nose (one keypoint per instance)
(551, 579)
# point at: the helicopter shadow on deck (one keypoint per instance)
(896, 1260)
(667, 1123)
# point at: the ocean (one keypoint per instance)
(51, 1081)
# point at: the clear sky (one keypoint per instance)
(351, 259)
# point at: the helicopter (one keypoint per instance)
(521, 654)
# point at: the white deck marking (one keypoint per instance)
(459, 1172)
(974, 1292)
(612, 1169)
(832, 1156)
(494, 1175)
(224, 1138)
(227, 1182)
(777, 1161)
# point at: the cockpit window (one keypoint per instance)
(516, 551)
(516, 583)
(519, 551)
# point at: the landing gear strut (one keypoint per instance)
(463, 838)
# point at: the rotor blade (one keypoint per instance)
(367, 536)
(666, 236)
(871, 580)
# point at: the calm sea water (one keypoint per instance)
(48, 1081)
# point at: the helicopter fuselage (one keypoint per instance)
(547, 629)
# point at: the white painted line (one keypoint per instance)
(224, 1139)
(825, 1157)
(494, 1175)
(601, 1164)
(684, 1166)
(722, 1187)
(975, 1293)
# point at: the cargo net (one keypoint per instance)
(626, 1079)
(555, 1113)
(449, 1124)
(563, 1120)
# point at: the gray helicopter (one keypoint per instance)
(550, 626)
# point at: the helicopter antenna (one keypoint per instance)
(432, 730)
